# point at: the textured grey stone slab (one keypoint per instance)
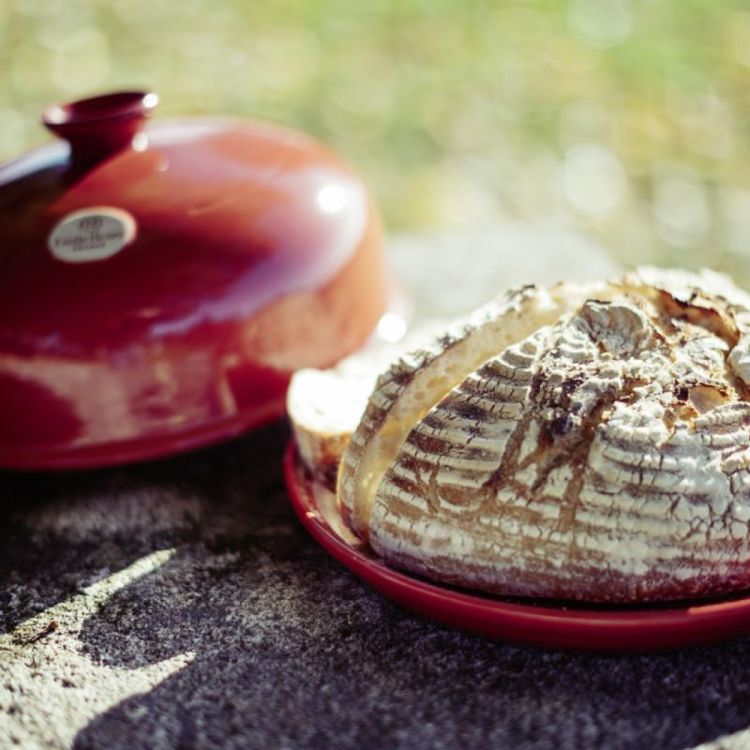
(192, 610)
(179, 604)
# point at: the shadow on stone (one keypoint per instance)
(62, 531)
(297, 653)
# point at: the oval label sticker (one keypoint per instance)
(93, 233)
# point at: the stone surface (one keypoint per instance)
(179, 604)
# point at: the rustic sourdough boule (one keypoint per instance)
(588, 443)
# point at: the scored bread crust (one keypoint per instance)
(325, 406)
(601, 456)
(417, 380)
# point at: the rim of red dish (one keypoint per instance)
(548, 625)
(145, 448)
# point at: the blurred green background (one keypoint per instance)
(626, 119)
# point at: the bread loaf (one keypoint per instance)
(587, 443)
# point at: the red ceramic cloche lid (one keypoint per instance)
(159, 284)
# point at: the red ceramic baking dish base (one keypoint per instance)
(140, 449)
(553, 626)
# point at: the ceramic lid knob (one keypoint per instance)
(101, 125)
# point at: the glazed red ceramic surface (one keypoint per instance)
(159, 284)
(575, 626)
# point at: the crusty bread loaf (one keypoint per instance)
(575, 443)
(583, 443)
